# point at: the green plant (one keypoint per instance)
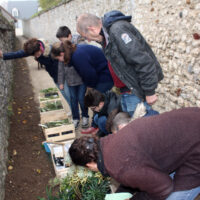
(81, 184)
(56, 105)
(94, 189)
(57, 123)
(49, 90)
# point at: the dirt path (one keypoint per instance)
(29, 168)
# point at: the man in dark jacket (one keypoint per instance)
(146, 154)
(102, 104)
(134, 67)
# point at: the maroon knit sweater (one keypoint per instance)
(142, 154)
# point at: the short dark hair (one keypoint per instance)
(93, 98)
(84, 150)
(31, 46)
(63, 31)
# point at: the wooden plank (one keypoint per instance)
(60, 133)
(52, 116)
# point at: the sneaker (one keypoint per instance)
(90, 130)
(76, 123)
(85, 122)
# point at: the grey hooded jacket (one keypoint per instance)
(130, 56)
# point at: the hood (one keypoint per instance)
(113, 16)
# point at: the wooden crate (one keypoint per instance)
(52, 115)
(60, 172)
(60, 133)
(51, 95)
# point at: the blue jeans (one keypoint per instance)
(65, 92)
(101, 123)
(129, 103)
(184, 195)
(77, 94)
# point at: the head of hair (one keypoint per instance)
(63, 31)
(120, 118)
(86, 20)
(84, 150)
(65, 47)
(93, 98)
(31, 46)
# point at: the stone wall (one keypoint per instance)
(171, 27)
(6, 69)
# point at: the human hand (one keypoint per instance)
(151, 99)
(1, 54)
(61, 86)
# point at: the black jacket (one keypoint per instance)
(130, 56)
(112, 101)
(51, 65)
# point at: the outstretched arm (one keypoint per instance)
(13, 55)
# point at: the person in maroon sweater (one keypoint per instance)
(146, 153)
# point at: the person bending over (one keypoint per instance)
(36, 48)
(159, 155)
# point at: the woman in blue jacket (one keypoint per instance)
(88, 60)
(36, 48)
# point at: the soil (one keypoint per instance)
(29, 167)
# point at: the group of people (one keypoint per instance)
(153, 157)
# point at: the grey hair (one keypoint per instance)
(120, 118)
(85, 20)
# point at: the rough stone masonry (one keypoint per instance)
(172, 28)
(7, 36)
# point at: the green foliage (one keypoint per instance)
(56, 123)
(81, 184)
(49, 90)
(56, 105)
(46, 4)
(95, 189)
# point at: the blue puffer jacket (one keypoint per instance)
(91, 64)
(51, 65)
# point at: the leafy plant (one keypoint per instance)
(56, 123)
(95, 189)
(49, 93)
(81, 184)
(49, 90)
(56, 105)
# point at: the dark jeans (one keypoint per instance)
(104, 87)
(77, 94)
